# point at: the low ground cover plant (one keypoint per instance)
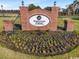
(41, 43)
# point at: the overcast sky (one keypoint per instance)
(14, 4)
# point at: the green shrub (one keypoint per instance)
(75, 17)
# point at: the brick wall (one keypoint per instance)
(8, 26)
(25, 15)
(70, 25)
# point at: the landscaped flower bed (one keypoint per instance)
(42, 43)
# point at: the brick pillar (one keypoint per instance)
(8, 25)
(24, 15)
(54, 15)
(69, 25)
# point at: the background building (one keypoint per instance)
(73, 9)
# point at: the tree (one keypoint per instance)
(48, 8)
(77, 11)
(32, 7)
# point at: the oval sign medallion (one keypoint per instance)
(39, 20)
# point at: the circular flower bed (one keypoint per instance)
(41, 43)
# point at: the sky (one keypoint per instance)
(15, 4)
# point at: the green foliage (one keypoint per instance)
(75, 17)
(48, 8)
(32, 7)
(42, 43)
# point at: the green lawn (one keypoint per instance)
(1, 24)
(10, 54)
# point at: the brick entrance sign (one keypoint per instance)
(38, 19)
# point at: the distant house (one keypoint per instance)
(73, 8)
(9, 12)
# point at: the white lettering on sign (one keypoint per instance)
(39, 20)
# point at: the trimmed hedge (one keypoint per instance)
(41, 43)
(75, 17)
